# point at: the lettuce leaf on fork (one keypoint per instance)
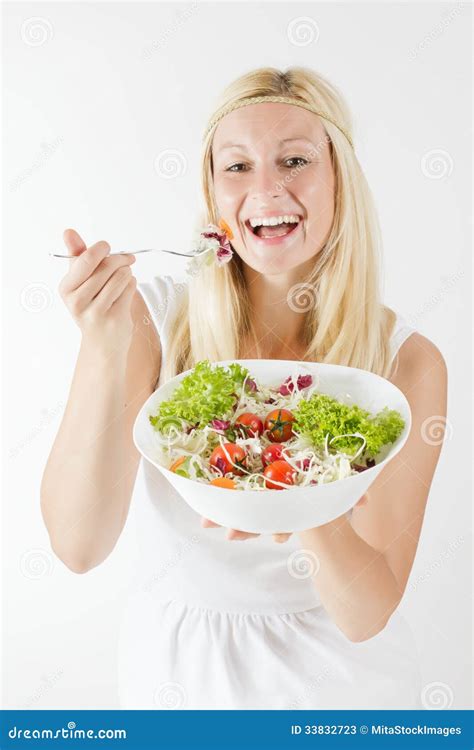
(206, 393)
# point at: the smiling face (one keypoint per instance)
(272, 163)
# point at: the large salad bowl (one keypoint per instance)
(296, 508)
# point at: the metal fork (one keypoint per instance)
(135, 252)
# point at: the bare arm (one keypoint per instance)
(365, 562)
(90, 473)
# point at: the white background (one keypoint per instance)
(94, 93)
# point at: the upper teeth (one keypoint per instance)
(274, 220)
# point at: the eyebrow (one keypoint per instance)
(228, 144)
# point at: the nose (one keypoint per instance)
(266, 184)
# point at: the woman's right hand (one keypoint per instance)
(98, 291)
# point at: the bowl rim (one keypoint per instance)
(294, 363)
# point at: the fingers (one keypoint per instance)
(239, 536)
(232, 534)
(86, 279)
(236, 535)
(207, 524)
(83, 266)
(280, 538)
(119, 280)
(74, 243)
(363, 500)
(128, 292)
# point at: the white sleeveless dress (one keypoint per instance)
(218, 624)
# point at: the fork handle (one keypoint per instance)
(128, 252)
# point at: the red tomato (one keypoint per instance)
(279, 425)
(220, 461)
(281, 471)
(253, 425)
(271, 453)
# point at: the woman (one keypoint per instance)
(311, 623)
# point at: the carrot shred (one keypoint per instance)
(226, 228)
(223, 482)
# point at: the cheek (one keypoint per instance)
(319, 189)
(227, 195)
(318, 198)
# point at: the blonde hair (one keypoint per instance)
(346, 323)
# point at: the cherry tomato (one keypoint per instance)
(251, 423)
(281, 471)
(223, 482)
(220, 461)
(279, 425)
(271, 453)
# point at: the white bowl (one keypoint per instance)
(295, 508)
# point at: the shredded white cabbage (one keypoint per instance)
(310, 465)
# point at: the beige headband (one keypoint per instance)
(285, 99)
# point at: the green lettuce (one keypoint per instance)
(321, 415)
(208, 392)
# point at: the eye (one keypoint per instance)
(231, 168)
(300, 159)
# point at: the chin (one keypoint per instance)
(276, 262)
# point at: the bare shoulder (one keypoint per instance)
(418, 364)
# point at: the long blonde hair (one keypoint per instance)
(345, 320)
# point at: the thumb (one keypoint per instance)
(362, 501)
(74, 242)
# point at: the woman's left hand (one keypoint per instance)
(236, 535)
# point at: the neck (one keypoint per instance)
(278, 312)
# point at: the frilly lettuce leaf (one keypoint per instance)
(206, 393)
(321, 415)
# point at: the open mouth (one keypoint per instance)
(275, 233)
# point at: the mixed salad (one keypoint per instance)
(223, 428)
